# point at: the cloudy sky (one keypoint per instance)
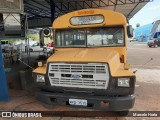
(147, 14)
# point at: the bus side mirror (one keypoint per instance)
(45, 32)
(129, 31)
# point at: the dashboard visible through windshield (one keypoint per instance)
(90, 37)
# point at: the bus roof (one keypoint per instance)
(111, 18)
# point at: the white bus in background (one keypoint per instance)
(33, 46)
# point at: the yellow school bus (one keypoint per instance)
(88, 68)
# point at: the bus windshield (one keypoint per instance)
(90, 37)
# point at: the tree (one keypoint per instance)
(137, 25)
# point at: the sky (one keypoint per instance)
(147, 14)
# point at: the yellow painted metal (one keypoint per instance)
(111, 18)
(114, 56)
(40, 70)
(126, 66)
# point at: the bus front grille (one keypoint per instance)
(92, 75)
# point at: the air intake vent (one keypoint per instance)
(79, 75)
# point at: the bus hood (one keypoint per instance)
(91, 55)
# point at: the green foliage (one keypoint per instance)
(34, 37)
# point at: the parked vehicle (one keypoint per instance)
(48, 51)
(154, 42)
(89, 67)
(35, 48)
(23, 45)
(132, 39)
(50, 44)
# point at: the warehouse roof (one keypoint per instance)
(41, 8)
(39, 11)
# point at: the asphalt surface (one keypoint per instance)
(139, 54)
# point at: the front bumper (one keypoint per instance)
(93, 102)
(112, 89)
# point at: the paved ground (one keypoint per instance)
(147, 88)
(140, 53)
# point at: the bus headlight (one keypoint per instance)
(123, 82)
(40, 78)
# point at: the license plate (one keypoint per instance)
(78, 102)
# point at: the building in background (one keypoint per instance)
(155, 32)
(142, 33)
(149, 31)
